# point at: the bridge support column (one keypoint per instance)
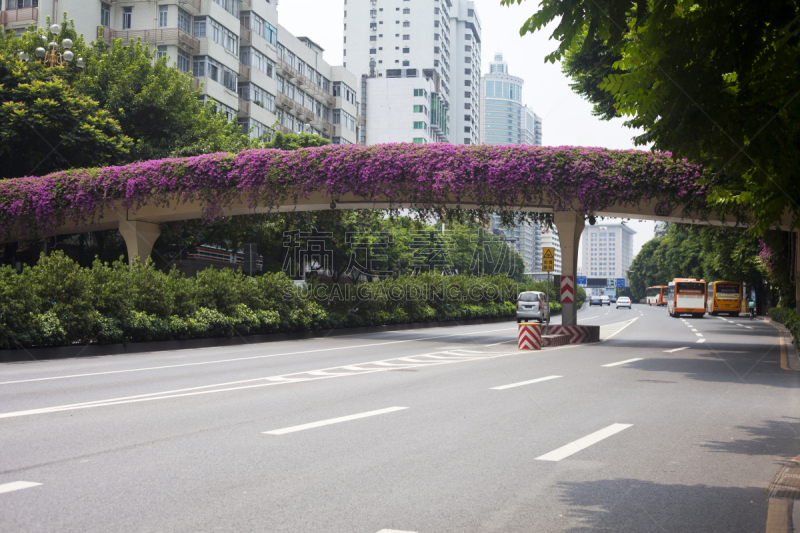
(570, 226)
(139, 238)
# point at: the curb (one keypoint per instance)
(95, 350)
(792, 360)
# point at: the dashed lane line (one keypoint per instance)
(331, 421)
(700, 341)
(624, 362)
(583, 443)
(17, 485)
(521, 383)
(453, 355)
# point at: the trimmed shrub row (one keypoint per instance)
(58, 303)
(789, 318)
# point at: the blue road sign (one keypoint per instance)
(581, 280)
(621, 283)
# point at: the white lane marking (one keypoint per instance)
(693, 329)
(246, 358)
(624, 362)
(521, 383)
(701, 340)
(330, 421)
(699, 334)
(17, 485)
(749, 327)
(296, 377)
(676, 350)
(395, 531)
(495, 344)
(582, 443)
(629, 322)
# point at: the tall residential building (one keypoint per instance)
(465, 71)
(250, 67)
(607, 250)
(505, 119)
(405, 53)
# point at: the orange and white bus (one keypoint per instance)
(657, 295)
(686, 296)
(724, 297)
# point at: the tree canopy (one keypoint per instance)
(714, 81)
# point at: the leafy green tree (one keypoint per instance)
(697, 252)
(155, 104)
(712, 81)
(45, 124)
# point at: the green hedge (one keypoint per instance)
(789, 318)
(57, 303)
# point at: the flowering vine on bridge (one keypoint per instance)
(496, 178)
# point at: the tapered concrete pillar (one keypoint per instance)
(570, 226)
(139, 238)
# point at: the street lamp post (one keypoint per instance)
(52, 57)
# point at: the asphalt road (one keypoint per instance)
(665, 426)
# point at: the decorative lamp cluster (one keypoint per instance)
(51, 57)
(496, 179)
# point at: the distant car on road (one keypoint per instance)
(533, 305)
(624, 301)
(606, 300)
(613, 299)
(595, 300)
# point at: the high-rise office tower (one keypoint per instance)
(403, 51)
(465, 72)
(250, 67)
(504, 118)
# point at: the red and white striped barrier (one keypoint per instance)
(549, 341)
(577, 334)
(567, 289)
(530, 336)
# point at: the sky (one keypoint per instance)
(566, 118)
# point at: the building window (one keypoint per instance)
(406, 37)
(406, 11)
(420, 126)
(127, 15)
(163, 12)
(373, 38)
(467, 95)
(184, 61)
(420, 109)
(406, 24)
(467, 141)
(406, 50)
(466, 129)
(105, 15)
(419, 140)
(184, 21)
(406, 63)
(421, 92)
(161, 51)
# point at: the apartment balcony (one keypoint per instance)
(244, 108)
(23, 14)
(160, 36)
(245, 5)
(303, 113)
(197, 5)
(245, 36)
(309, 86)
(244, 72)
(195, 82)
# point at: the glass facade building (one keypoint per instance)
(505, 119)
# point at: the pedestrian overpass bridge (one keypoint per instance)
(571, 183)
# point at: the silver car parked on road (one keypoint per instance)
(533, 305)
